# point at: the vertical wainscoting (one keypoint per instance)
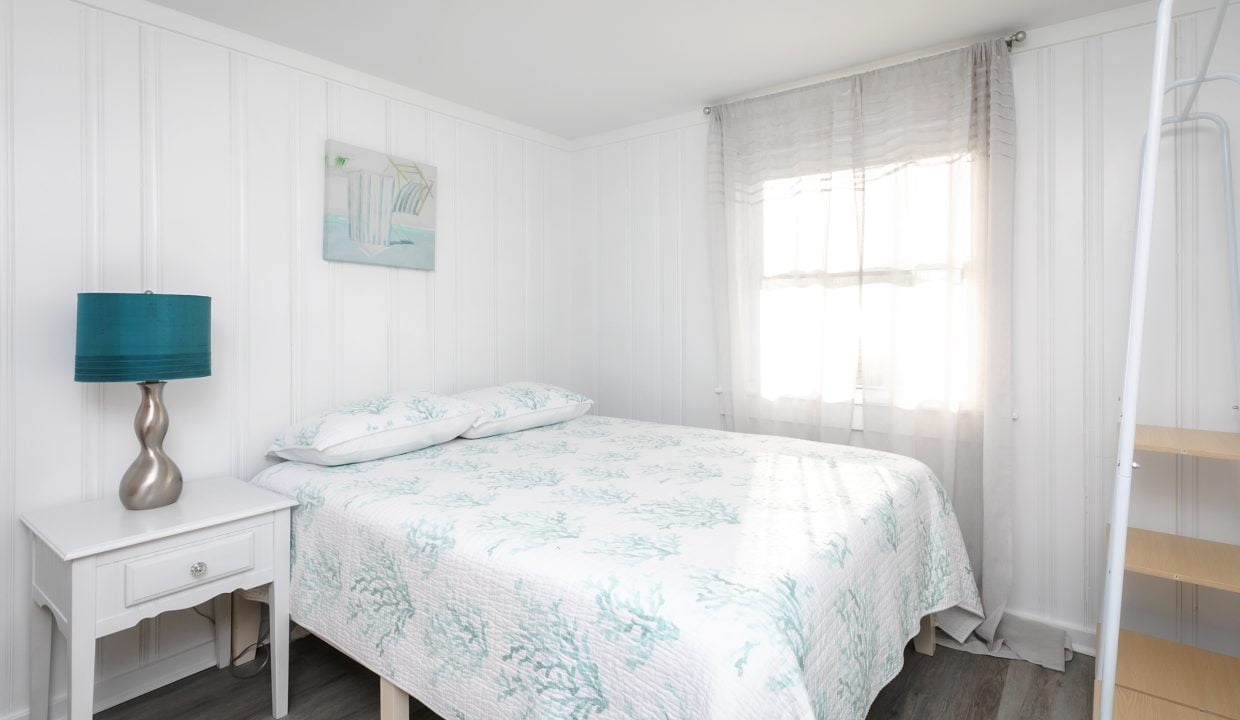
(1080, 105)
(141, 149)
(642, 317)
(8, 416)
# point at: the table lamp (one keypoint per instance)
(145, 338)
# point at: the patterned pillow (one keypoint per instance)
(375, 428)
(521, 406)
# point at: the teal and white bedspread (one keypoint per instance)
(606, 568)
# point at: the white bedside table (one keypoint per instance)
(98, 568)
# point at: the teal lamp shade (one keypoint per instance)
(134, 337)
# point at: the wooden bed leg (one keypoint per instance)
(924, 640)
(393, 702)
(246, 617)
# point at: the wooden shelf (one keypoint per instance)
(1191, 560)
(1183, 441)
(1132, 705)
(1158, 679)
(1198, 680)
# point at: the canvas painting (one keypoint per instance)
(379, 209)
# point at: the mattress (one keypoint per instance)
(608, 568)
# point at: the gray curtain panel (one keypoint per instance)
(861, 231)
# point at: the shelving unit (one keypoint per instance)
(1183, 441)
(1133, 705)
(1184, 559)
(1142, 677)
(1174, 679)
(1159, 679)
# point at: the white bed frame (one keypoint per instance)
(393, 702)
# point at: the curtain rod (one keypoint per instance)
(1009, 40)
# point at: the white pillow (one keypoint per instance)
(521, 406)
(375, 428)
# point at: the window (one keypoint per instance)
(863, 290)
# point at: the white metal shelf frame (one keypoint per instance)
(1155, 122)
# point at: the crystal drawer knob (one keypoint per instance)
(198, 569)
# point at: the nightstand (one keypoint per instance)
(98, 568)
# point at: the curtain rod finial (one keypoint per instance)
(706, 111)
(1018, 36)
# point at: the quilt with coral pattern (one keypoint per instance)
(607, 568)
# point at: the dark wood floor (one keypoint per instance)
(326, 685)
(955, 685)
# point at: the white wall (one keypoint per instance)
(642, 321)
(164, 153)
(1080, 101)
(1080, 90)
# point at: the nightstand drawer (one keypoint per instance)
(153, 577)
(174, 570)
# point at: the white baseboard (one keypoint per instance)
(1083, 639)
(117, 690)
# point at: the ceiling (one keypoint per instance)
(579, 67)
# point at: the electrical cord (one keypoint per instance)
(262, 658)
(260, 645)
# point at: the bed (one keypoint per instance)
(608, 568)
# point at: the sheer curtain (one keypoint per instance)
(862, 235)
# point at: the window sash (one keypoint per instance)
(904, 277)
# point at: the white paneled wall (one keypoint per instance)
(1080, 103)
(163, 153)
(642, 319)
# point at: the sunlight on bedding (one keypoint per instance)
(613, 568)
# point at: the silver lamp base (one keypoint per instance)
(153, 480)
